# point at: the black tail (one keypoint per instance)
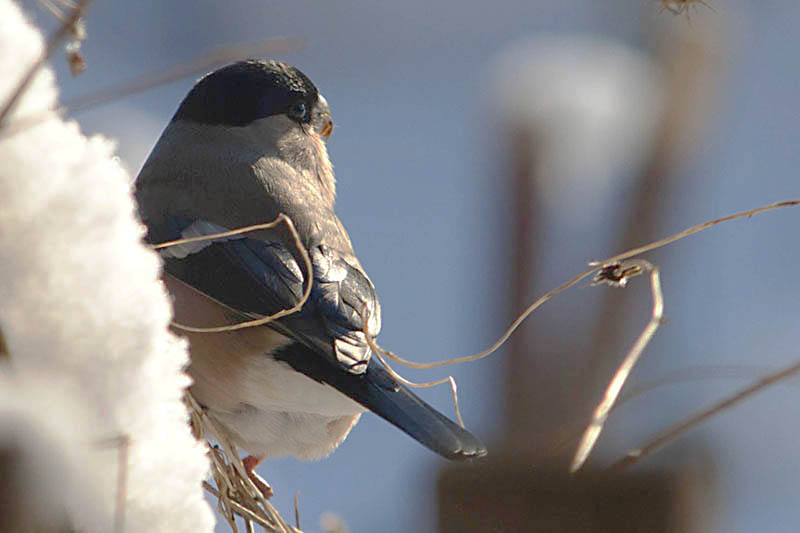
(382, 394)
(379, 392)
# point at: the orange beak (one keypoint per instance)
(327, 129)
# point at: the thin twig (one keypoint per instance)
(122, 484)
(67, 26)
(199, 65)
(600, 415)
(700, 227)
(694, 373)
(596, 266)
(684, 426)
(122, 443)
(380, 352)
(504, 337)
(573, 281)
(613, 389)
(449, 379)
(571, 432)
(297, 509)
(239, 231)
(676, 7)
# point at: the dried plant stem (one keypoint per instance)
(571, 432)
(199, 65)
(593, 430)
(67, 26)
(122, 484)
(575, 280)
(236, 493)
(684, 426)
(700, 227)
(595, 427)
(239, 509)
(694, 373)
(676, 7)
(282, 218)
(604, 408)
(122, 444)
(514, 325)
(380, 353)
(297, 509)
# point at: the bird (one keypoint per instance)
(247, 145)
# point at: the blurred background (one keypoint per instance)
(485, 152)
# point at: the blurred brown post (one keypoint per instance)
(690, 72)
(521, 486)
(509, 496)
(523, 232)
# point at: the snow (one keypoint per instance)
(85, 319)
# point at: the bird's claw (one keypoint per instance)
(261, 484)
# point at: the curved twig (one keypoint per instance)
(239, 231)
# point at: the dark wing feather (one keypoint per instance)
(261, 278)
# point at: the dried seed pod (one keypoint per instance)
(683, 6)
(75, 60)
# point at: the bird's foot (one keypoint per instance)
(250, 463)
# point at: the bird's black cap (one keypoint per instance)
(242, 92)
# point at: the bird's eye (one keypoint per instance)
(299, 111)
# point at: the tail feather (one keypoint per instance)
(379, 392)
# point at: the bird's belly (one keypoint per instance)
(268, 433)
(269, 408)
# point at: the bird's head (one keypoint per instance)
(256, 109)
(247, 93)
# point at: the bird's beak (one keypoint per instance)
(327, 128)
